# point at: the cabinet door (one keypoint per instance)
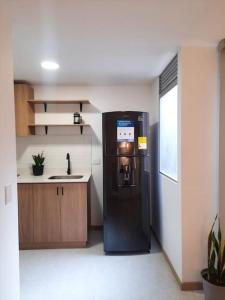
(46, 213)
(24, 111)
(74, 212)
(26, 213)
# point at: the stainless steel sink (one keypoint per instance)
(66, 177)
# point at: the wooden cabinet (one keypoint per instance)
(26, 213)
(73, 212)
(53, 215)
(46, 213)
(24, 111)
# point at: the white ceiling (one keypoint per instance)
(108, 41)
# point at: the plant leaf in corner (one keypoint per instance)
(216, 244)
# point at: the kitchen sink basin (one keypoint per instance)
(66, 177)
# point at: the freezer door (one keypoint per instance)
(126, 206)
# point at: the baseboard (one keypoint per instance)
(184, 286)
(191, 286)
(56, 245)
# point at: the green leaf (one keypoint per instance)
(210, 246)
(216, 255)
(219, 232)
(212, 260)
(219, 261)
(38, 159)
(215, 244)
(223, 256)
(222, 280)
(214, 222)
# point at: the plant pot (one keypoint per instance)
(212, 291)
(38, 170)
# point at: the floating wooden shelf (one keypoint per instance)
(46, 102)
(60, 125)
(72, 125)
(59, 101)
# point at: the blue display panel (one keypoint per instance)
(125, 130)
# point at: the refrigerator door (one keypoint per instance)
(116, 129)
(126, 180)
(126, 209)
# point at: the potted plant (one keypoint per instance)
(38, 167)
(214, 276)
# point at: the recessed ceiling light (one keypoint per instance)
(50, 65)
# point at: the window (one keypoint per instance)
(168, 134)
(168, 120)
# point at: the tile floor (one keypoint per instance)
(88, 274)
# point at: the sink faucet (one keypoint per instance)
(68, 169)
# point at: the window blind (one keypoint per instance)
(168, 78)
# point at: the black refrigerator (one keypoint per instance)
(126, 181)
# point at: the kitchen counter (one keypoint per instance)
(28, 178)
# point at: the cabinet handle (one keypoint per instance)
(57, 190)
(62, 190)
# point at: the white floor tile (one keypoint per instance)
(88, 274)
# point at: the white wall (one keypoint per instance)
(221, 92)
(166, 212)
(183, 211)
(199, 155)
(55, 150)
(102, 98)
(9, 259)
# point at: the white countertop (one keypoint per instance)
(29, 178)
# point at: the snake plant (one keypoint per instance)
(216, 255)
(39, 159)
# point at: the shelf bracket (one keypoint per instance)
(46, 130)
(45, 106)
(81, 106)
(81, 129)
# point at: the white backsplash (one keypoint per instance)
(55, 151)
